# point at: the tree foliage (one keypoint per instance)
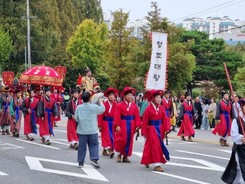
(210, 56)
(125, 53)
(88, 45)
(240, 81)
(6, 46)
(52, 24)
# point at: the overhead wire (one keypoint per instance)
(238, 27)
(227, 3)
(223, 7)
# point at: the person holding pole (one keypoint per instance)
(235, 170)
(223, 115)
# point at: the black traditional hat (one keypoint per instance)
(87, 70)
(242, 102)
(6, 89)
(46, 89)
(75, 91)
(32, 88)
(224, 93)
(187, 94)
(167, 92)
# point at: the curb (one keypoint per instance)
(197, 140)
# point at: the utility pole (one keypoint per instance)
(28, 34)
(26, 67)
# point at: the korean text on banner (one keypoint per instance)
(156, 78)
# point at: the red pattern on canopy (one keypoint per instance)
(61, 70)
(41, 75)
(8, 78)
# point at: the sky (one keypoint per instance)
(177, 10)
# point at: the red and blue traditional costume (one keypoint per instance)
(223, 113)
(153, 127)
(16, 120)
(186, 115)
(106, 125)
(29, 108)
(58, 100)
(167, 104)
(128, 119)
(71, 122)
(47, 110)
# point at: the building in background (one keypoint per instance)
(136, 26)
(232, 31)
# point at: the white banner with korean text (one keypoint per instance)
(156, 78)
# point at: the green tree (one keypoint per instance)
(6, 46)
(240, 81)
(181, 66)
(55, 22)
(88, 46)
(210, 55)
(125, 53)
(89, 9)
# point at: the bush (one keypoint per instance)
(196, 92)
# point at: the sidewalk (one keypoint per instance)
(205, 136)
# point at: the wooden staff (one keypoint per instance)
(233, 96)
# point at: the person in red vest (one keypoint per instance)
(71, 123)
(153, 127)
(58, 100)
(106, 120)
(223, 115)
(47, 111)
(186, 116)
(126, 122)
(167, 104)
(29, 109)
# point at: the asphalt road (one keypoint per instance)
(25, 162)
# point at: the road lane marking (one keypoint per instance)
(63, 140)
(62, 131)
(90, 173)
(7, 146)
(226, 151)
(207, 165)
(201, 154)
(62, 143)
(187, 142)
(3, 174)
(43, 145)
(182, 178)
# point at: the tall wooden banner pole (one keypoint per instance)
(233, 96)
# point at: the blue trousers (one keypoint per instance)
(93, 145)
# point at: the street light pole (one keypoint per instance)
(28, 34)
